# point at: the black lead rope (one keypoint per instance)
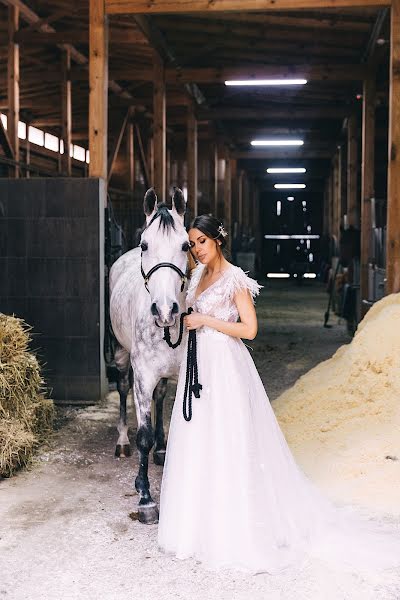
(192, 385)
(167, 335)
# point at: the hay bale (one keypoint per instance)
(14, 337)
(17, 445)
(26, 415)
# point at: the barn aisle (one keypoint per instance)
(65, 526)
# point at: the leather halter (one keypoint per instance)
(159, 266)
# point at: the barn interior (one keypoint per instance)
(141, 94)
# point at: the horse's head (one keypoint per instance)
(164, 240)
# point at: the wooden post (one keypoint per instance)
(338, 194)
(335, 199)
(192, 162)
(159, 127)
(131, 156)
(13, 86)
(393, 205)
(228, 198)
(150, 161)
(352, 210)
(367, 182)
(214, 178)
(240, 202)
(98, 89)
(66, 110)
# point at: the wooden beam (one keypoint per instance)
(113, 155)
(13, 86)
(282, 153)
(353, 72)
(98, 84)
(159, 127)
(367, 181)
(227, 218)
(192, 165)
(142, 158)
(33, 19)
(131, 156)
(193, 6)
(393, 206)
(66, 111)
(352, 210)
(214, 177)
(273, 113)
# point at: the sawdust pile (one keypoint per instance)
(26, 416)
(342, 419)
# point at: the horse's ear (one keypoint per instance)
(179, 202)
(150, 202)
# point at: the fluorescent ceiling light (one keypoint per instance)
(278, 275)
(289, 186)
(309, 275)
(266, 82)
(277, 142)
(286, 170)
(290, 198)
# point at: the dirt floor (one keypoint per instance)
(66, 526)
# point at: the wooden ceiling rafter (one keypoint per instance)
(194, 6)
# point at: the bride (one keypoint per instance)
(232, 494)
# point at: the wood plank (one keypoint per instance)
(273, 113)
(350, 72)
(193, 6)
(98, 84)
(114, 153)
(131, 156)
(159, 127)
(352, 211)
(13, 87)
(192, 163)
(214, 176)
(142, 158)
(282, 153)
(227, 216)
(367, 181)
(393, 206)
(66, 111)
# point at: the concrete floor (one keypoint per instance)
(65, 525)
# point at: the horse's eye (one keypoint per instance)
(185, 246)
(144, 246)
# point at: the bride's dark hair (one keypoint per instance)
(211, 227)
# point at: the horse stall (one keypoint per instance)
(52, 275)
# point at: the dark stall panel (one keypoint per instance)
(52, 275)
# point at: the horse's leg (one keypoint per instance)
(143, 392)
(158, 397)
(123, 448)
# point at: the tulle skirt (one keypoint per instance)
(232, 494)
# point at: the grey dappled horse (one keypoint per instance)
(146, 295)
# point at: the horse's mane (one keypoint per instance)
(166, 219)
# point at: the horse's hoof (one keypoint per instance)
(159, 457)
(148, 513)
(123, 451)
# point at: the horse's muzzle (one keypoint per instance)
(165, 316)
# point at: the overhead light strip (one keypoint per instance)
(277, 142)
(286, 170)
(264, 82)
(289, 186)
(298, 236)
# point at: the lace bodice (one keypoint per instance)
(218, 299)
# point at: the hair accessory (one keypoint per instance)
(221, 231)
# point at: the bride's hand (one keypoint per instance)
(194, 320)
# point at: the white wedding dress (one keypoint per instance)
(232, 495)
